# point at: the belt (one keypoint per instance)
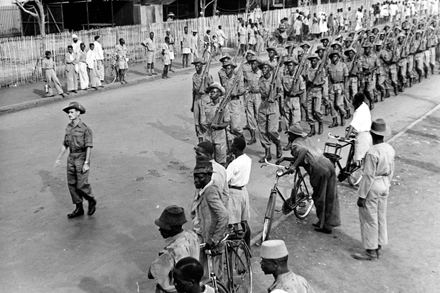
(236, 187)
(235, 98)
(78, 152)
(338, 82)
(254, 92)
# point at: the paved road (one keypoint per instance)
(141, 162)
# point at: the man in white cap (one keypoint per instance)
(75, 43)
(274, 256)
(194, 45)
(373, 192)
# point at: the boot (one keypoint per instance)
(253, 139)
(432, 68)
(279, 150)
(326, 110)
(92, 207)
(288, 146)
(79, 211)
(342, 120)
(382, 95)
(387, 93)
(426, 72)
(320, 127)
(335, 123)
(312, 131)
(348, 115)
(267, 156)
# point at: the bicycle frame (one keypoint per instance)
(335, 157)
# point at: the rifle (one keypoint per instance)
(323, 62)
(204, 80)
(299, 69)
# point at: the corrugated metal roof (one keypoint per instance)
(10, 21)
(157, 2)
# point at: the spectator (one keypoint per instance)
(48, 66)
(315, 26)
(166, 57)
(241, 38)
(194, 45)
(71, 74)
(297, 28)
(331, 24)
(207, 41)
(221, 37)
(258, 14)
(185, 45)
(252, 40)
(171, 48)
(99, 59)
(150, 46)
(121, 59)
(82, 63)
(95, 82)
(187, 276)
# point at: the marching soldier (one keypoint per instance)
(222, 73)
(268, 113)
(400, 54)
(315, 80)
(205, 110)
(432, 44)
(200, 81)
(236, 89)
(272, 53)
(353, 73)
(293, 86)
(392, 67)
(419, 54)
(252, 97)
(338, 76)
(369, 64)
(381, 76)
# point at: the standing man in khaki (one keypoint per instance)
(151, 56)
(373, 192)
(48, 66)
(78, 139)
(252, 97)
(200, 81)
(338, 77)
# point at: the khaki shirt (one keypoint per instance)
(268, 105)
(379, 163)
(78, 138)
(229, 81)
(291, 283)
(337, 72)
(177, 247)
(198, 88)
(287, 81)
(251, 80)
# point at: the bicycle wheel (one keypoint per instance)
(110, 74)
(220, 288)
(240, 270)
(355, 177)
(303, 199)
(268, 217)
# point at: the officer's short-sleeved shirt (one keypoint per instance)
(78, 138)
(337, 72)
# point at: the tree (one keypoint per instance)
(36, 10)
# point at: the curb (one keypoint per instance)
(44, 101)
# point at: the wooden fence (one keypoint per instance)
(20, 57)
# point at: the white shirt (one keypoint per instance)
(220, 37)
(91, 58)
(98, 51)
(76, 46)
(361, 118)
(239, 171)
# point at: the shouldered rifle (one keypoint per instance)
(204, 80)
(274, 78)
(299, 69)
(323, 61)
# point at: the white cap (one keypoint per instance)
(273, 249)
(74, 36)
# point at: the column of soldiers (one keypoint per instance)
(303, 83)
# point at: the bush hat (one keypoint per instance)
(75, 105)
(225, 56)
(296, 129)
(216, 85)
(198, 60)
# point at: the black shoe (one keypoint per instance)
(267, 156)
(279, 151)
(323, 230)
(312, 131)
(378, 251)
(317, 225)
(79, 211)
(335, 123)
(92, 207)
(348, 115)
(368, 255)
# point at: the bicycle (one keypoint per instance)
(300, 200)
(111, 71)
(352, 172)
(236, 267)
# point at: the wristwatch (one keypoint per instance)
(86, 162)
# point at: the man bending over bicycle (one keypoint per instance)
(361, 125)
(322, 178)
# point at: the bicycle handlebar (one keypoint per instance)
(340, 138)
(202, 245)
(274, 165)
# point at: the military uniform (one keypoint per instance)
(337, 74)
(292, 102)
(204, 113)
(235, 102)
(369, 63)
(314, 95)
(353, 73)
(252, 97)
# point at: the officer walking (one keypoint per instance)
(78, 139)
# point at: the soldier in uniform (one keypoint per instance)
(79, 140)
(369, 64)
(353, 72)
(268, 113)
(206, 128)
(235, 91)
(320, 50)
(392, 67)
(400, 54)
(432, 44)
(338, 77)
(252, 97)
(315, 80)
(382, 74)
(293, 86)
(222, 73)
(200, 81)
(419, 54)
